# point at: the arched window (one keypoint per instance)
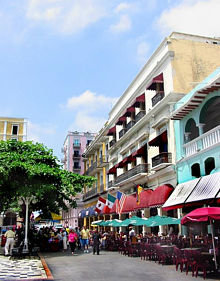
(195, 170)
(191, 130)
(209, 165)
(210, 114)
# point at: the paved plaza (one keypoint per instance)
(111, 266)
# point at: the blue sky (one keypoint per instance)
(63, 63)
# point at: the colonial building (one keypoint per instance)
(197, 133)
(96, 163)
(74, 145)
(141, 149)
(13, 128)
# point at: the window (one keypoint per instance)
(76, 142)
(209, 114)
(209, 165)
(76, 153)
(191, 130)
(76, 165)
(14, 129)
(88, 142)
(195, 170)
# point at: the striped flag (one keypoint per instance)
(120, 201)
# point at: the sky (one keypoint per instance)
(64, 63)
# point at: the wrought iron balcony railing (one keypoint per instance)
(162, 158)
(122, 132)
(103, 161)
(158, 97)
(141, 168)
(130, 125)
(112, 142)
(140, 115)
(90, 193)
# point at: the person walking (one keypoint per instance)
(85, 239)
(96, 241)
(64, 235)
(10, 240)
(72, 240)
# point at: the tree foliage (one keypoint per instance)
(31, 170)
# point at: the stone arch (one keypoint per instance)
(191, 130)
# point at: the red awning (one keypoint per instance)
(141, 151)
(119, 165)
(128, 159)
(111, 131)
(139, 99)
(121, 120)
(113, 209)
(155, 80)
(129, 111)
(162, 138)
(160, 195)
(144, 199)
(129, 204)
(112, 170)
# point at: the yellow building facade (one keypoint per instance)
(13, 128)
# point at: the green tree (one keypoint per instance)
(31, 170)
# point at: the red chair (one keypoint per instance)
(179, 258)
(203, 264)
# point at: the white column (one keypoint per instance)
(161, 227)
(5, 131)
(200, 126)
(179, 215)
(25, 130)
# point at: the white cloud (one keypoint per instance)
(66, 16)
(89, 101)
(90, 111)
(142, 52)
(122, 6)
(40, 132)
(123, 25)
(195, 17)
(87, 123)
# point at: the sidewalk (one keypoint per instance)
(30, 268)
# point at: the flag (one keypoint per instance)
(120, 201)
(138, 192)
(100, 205)
(109, 203)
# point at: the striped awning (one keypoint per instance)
(112, 131)
(200, 190)
(207, 188)
(180, 194)
(121, 120)
(155, 80)
(140, 99)
(162, 138)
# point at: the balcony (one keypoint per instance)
(92, 169)
(101, 188)
(77, 168)
(139, 169)
(140, 115)
(103, 161)
(112, 142)
(76, 156)
(90, 193)
(130, 125)
(162, 160)
(76, 145)
(122, 132)
(158, 97)
(205, 141)
(110, 184)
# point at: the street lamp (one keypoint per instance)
(26, 201)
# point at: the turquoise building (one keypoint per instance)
(197, 139)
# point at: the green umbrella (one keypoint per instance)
(95, 223)
(105, 223)
(160, 220)
(115, 223)
(133, 221)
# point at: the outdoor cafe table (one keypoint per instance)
(167, 248)
(191, 249)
